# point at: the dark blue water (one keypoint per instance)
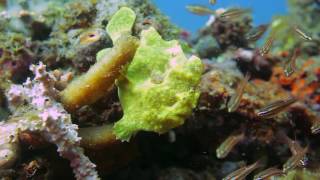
(263, 10)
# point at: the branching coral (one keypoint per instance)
(160, 87)
(49, 117)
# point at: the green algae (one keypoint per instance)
(159, 89)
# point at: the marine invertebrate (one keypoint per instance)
(159, 79)
(100, 78)
(48, 117)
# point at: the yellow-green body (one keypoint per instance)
(160, 88)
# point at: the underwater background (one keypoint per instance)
(263, 11)
(159, 90)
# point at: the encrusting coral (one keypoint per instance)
(50, 119)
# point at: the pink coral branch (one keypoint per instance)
(55, 123)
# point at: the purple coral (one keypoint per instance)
(55, 123)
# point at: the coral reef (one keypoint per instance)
(56, 27)
(78, 78)
(219, 35)
(34, 103)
